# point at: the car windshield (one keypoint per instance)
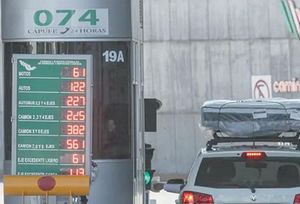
(236, 172)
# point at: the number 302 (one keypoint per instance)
(45, 17)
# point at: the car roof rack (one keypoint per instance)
(271, 138)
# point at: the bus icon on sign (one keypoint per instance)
(261, 87)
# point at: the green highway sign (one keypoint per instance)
(51, 116)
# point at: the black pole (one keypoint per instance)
(147, 197)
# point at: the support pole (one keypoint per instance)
(23, 198)
(147, 197)
(70, 198)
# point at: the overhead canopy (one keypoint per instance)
(65, 20)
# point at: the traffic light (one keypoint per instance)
(148, 174)
(151, 107)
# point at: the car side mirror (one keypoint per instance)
(174, 185)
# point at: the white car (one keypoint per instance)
(247, 160)
(252, 174)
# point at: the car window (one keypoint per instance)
(235, 172)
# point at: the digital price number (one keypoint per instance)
(73, 158)
(74, 116)
(73, 86)
(73, 144)
(74, 100)
(72, 129)
(72, 171)
(73, 72)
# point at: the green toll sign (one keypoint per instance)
(51, 116)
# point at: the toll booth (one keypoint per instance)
(95, 48)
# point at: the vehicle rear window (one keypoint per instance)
(236, 172)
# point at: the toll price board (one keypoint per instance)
(51, 116)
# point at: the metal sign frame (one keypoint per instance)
(88, 122)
